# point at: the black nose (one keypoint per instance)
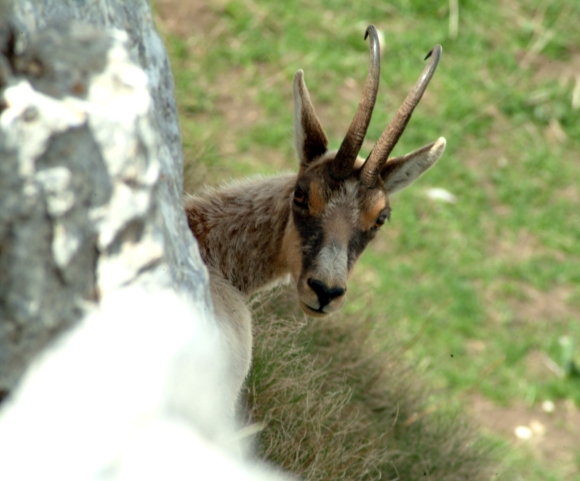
(324, 294)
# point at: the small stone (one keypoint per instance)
(548, 406)
(523, 432)
(441, 195)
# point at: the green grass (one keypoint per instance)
(500, 268)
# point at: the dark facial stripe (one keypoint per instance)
(311, 236)
(357, 245)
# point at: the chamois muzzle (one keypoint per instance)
(324, 293)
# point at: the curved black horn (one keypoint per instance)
(389, 138)
(350, 147)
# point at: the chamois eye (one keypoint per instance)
(381, 220)
(300, 198)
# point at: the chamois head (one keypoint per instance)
(341, 200)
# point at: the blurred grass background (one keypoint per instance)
(485, 290)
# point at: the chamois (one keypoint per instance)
(309, 228)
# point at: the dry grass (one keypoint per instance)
(333, 407)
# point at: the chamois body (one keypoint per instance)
(310, 227)
(226, 222)
(252, 213)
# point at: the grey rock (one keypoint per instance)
(90, 170)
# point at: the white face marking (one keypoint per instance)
(339, 218)
(332, 264)
(348, 197)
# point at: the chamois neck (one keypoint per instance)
(240, 229)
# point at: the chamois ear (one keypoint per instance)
(310, 138)
(400, 172)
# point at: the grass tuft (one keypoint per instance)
(335, 407)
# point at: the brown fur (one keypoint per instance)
(240, 230)
(370, 215)
(310, 227)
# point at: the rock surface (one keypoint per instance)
(90, 170)
(110, 360)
